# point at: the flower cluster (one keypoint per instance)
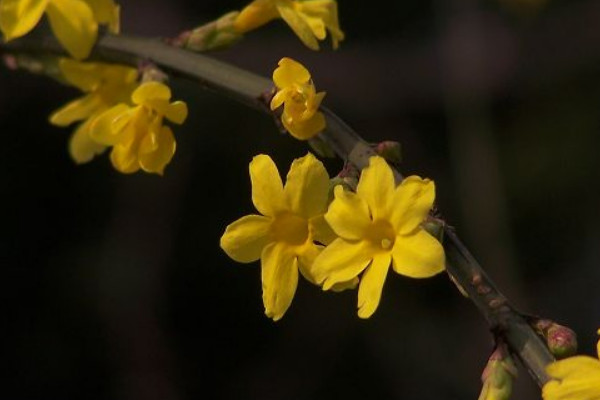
(309, 19)
(118, 112)
(74, 22)
(300, 100)
(575, 377)
(355, 237)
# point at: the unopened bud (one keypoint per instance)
(149, 72)
(561, 340)
(498, 375)
(390, 150)
(215, 35)
(347, 183)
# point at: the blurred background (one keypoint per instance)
(114, 286)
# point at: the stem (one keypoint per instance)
(250, 89)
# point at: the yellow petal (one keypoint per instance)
(73, 24)
(106, 12)
(81, 146)
(108, 127)
(304, 130)
(255, 14)
(371, 285)
(376, 186)
(176, 112)
(574, 366)
(413, 200)
(267, 188)
(76, 110)
(419, 255)
(279, 98)
(245, 239)
(306, 259)
(161, 150)
(348, 215)
(341, 261)
(83, 75)
(124, 159)
(298, 25)
(320, 231)
(18, 17)
(290, 73)
(348, 285)
(279, 271)
(152, 90)
(306, 189)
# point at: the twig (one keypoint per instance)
(249, 89)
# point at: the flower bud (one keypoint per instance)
(390, 150)
(497, 376)
(215, 35)
(562, 341)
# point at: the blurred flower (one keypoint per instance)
(575, 377)
(498, 376)
(283, 236)
(377, 226)
(74, 22)
(136, 133)
(309, 19)
(105, 85)
(299, 98)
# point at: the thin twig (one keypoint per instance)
(248, 88)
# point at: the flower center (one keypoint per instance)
(289, 228)
(381, 235)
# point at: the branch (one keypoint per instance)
(250, 89)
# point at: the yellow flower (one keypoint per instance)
(283, 236)
(137, 135)
(74, 22)
(299, 98)
(574, 378)
(309, 19)
(377, 226)
(105, 85)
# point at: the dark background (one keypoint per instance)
(114, 286)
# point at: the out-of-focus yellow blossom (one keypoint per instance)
(377, 226)
(284, 236)
(297, 93)
(105, 85)
(74, 22)
(309, 19)
(574, 378)
(136, 133)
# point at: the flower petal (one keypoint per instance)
(413, 200)
(106, 12)
(161, 151)
(341, 261)
(18, 17)
(149, 91)
(255, 14)
(306, 259)
(81, 146)
(108, 127)
(72, 21)
(267, 188)
(573, 367)
(176, 112)
(245, 239)
(279, 98)
(320, 231)
(279, 279)
(348, 215)
(371, 285)
(376, 186)
(304, 130)
(124, 158)
(306, 188)
(298, 25)
(289, 73)
(76, 110)
(418, 256)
